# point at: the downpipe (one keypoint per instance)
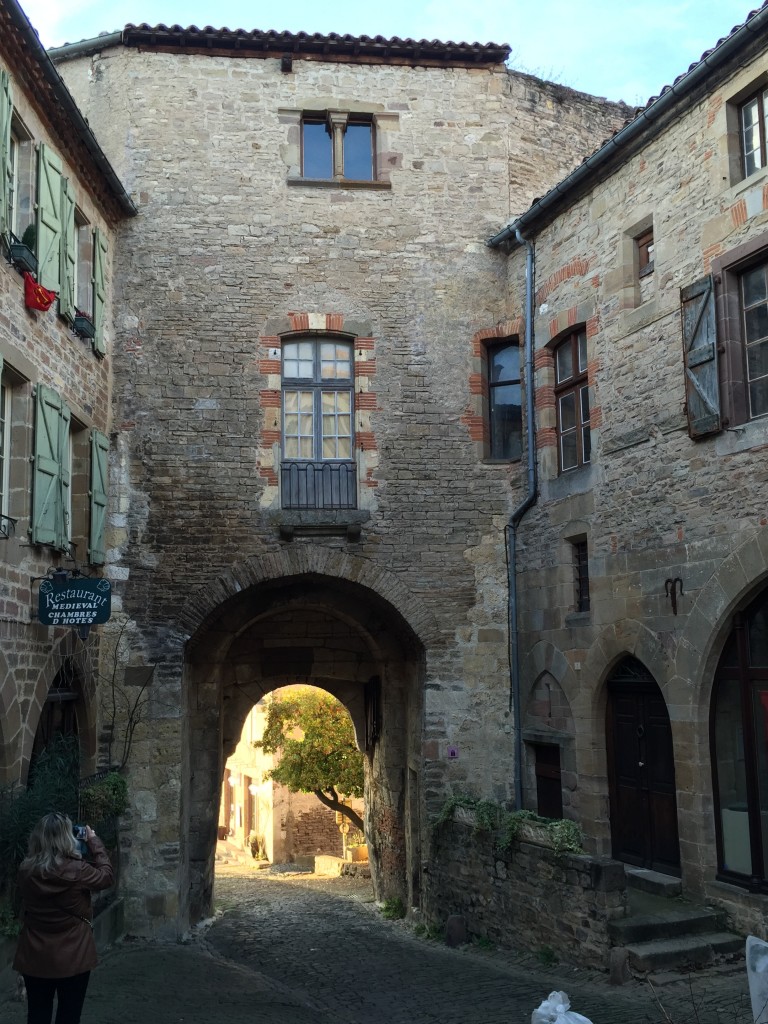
(514, 523)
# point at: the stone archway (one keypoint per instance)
(335, 633)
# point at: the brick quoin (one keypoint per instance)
(545, 398)
(364, 344)
(711, 254)
(715, 103)
(593, 326)
(596, 417)
(543, 358)
(365, 369)
(477, 383)
(270, 399)
(270, 437)
(366, 400)
(546, 437)
(299, 321)
(268, 474)
(365, 440)
(269, 366)
(334, 322)
(739, 213)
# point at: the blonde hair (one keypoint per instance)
(50, 842)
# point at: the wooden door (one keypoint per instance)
(641, 771)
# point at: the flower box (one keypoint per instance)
(84, 326)
(22, 257)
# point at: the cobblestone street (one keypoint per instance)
(299, 948)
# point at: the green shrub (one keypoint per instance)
(393, 909)
(107, 798)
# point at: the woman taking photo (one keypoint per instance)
(56, 950)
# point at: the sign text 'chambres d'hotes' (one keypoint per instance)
(78, 602)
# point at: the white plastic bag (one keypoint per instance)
(556, 1010)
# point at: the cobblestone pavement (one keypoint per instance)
(294, 949)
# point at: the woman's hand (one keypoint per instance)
(89, 833)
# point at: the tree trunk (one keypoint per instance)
(336, 805)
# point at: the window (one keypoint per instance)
(5, 448)
(337, 145)
(644, 245)
(572, 400)
(51, 507)
(22, 190)
(318, 470)
(752, 131)
(754, 312)
(549, 792)
(505, 414)
(581, 574)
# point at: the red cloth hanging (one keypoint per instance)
(35, 296)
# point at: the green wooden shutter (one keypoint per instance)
(68, 252)
(63, 524)
(702, 387)
(48, 218)
(97, 554)
(99, 289)
(6, 114)
(46, 484)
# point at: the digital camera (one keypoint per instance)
(79, 831)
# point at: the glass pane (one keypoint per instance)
(506, 422)
(345, 448)
(329, 447)
(753, 286)
(751, 162)
(291, 424)
(568, 411)
(758, 397)
(758, 636)
(306, 401)
(749, 114)
(732, 778)
(344, 424)
(84, 269)
(358, 152)
(584, 400)
(564, 362)
(291, 448)
(505, 364)
(760, 717)
(582, 342)
(335, 361)
(586, 443)
(291, 399)
(757, 358)
(756, 322)
(568, 453)
(306, 448)
(317, 155)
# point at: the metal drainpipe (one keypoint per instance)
(514, 522)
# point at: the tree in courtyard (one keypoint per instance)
(312, 733)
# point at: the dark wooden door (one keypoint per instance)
(641, 771)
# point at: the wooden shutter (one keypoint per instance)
(68, 251)
(6, 114)
(99, 289)
(702, 388)
(63, 525)
(46, 485)
(97, 554)
(48, 218)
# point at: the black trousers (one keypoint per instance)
(71, 993)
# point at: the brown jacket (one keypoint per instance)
(55, 941)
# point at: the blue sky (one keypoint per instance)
(622, 49)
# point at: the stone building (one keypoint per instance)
(60, 205)
(310, 491)
(642, 561)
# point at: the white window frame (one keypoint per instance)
(5, 446)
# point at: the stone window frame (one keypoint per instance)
(574, 533)
(732, 371)
(634, 282)
(336, 123)
(734, 105)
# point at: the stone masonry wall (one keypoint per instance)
(528, 895)
(653, 504)
(224, 256)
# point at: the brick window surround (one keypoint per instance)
(728, 271)
(477, 415)
(572, 401)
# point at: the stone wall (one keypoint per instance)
(229, 255)
(527, 896)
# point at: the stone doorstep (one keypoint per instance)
(653, 881)
(667, 924)
(686, 951)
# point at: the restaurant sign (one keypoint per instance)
(78, 602)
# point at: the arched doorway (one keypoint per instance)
(326, 632)
(641, 770)
(739, 740)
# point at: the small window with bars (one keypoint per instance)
(581, 574)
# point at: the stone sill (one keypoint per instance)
(373, 186)
(578, 619)
(347, 523)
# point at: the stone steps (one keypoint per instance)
(663, 931)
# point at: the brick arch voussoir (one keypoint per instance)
(309, 560)
(732, 586)
(628, 638)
